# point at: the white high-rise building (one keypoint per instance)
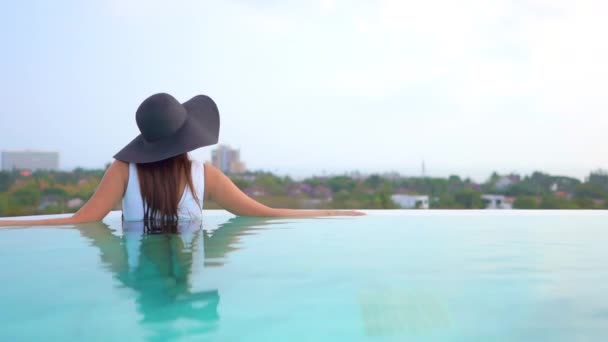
(30, 160)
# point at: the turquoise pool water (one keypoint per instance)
(389, 276)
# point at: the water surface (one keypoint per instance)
(389, 276)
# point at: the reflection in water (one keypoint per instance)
(159, 263)
(225, 239)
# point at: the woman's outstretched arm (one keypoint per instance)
(110, 191)
(224, 192)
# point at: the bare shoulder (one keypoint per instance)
(210, 178)
(209, 167)
(211, 172)
(118, 169)
(119, 166)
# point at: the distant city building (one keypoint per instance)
(227, 159)
(563, 194)
(299, 189)
(74, 203)
(392, 175)
(30, 160)
(322, 192)
(505, 182)
(554, 187)
(497, 201)
(255, 191)
(411, 201)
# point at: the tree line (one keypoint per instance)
(51, 192)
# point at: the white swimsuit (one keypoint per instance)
(187, 209)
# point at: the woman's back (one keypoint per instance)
(189, 206)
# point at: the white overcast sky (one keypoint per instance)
(304, 87)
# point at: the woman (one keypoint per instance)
(157, 181)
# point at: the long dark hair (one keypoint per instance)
(160, 187)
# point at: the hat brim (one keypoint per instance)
(200, 129)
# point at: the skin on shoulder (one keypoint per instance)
(218, 187)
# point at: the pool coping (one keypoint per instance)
(389, 212)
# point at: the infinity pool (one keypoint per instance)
(388, 276)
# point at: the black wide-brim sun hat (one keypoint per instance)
(169, 128)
